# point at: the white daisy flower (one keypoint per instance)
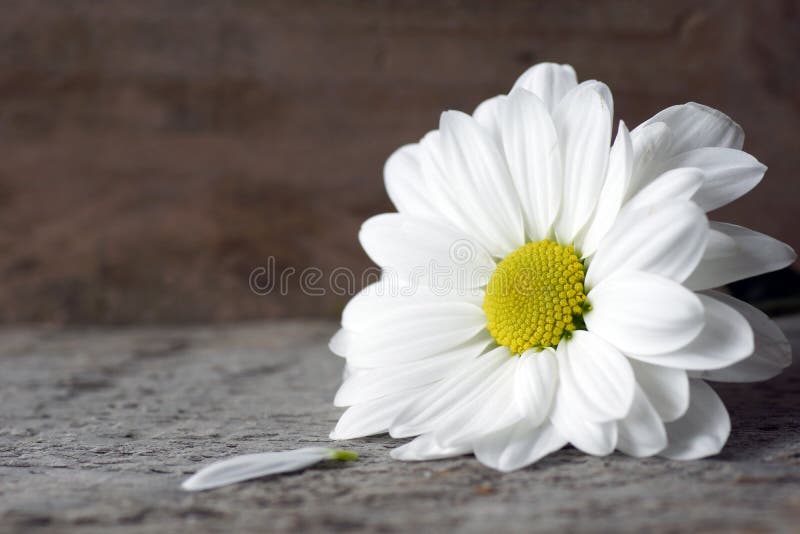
(543, 286)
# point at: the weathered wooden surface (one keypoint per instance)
(152, 153)
(98, 428)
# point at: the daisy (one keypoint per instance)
(543, 285)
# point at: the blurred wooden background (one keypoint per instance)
(153, 153)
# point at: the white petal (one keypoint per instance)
(378, 324)
(675, 184)
(380, 304)
(249, 466)
(695, 136)
(341, 342)
(652, 146)
(486, 410)
(772, 352)
(386, 325)
(375, 416)
(729, 174)
(457, 332)
(703, 430)
(583, 123)
(419, 250)
(350, 370)
(426, 411)
(601, 89)
(374, 383)
(592, 438)
(618, 176)
(455, 197)
(734, 253)
(644, 313)
(726, 338)
(696, 126)
(488, 115)
(666, 388)
(424, 447)
(535, 382)
(405, 183)
(641, 432)
(752, 369)
(441, 188)
(531, 147)
(518, 445)
(549, 81)
(597, 381)
(480, 178)
(667, 239)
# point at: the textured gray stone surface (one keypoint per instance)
(212, 134)
(98, 428)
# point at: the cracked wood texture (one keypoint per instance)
(98, 427)
(153, 153)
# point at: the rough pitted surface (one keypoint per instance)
(99, 427)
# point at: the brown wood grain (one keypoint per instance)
(153, 153)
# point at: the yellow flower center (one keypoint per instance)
(535, 296)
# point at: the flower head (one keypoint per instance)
(543, 286)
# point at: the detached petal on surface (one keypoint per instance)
(248, 466)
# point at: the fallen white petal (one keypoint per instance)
(249, 466)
